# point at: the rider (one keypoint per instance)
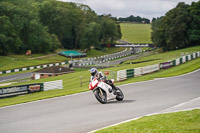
(95, 73)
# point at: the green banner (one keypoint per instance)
(130, 73)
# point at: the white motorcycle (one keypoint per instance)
(104, 92)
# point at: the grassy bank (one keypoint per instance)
(105, 51)
(19, 61)
(180, 122)
(136, 33)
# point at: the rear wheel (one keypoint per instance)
(120, 95)
(100, 95)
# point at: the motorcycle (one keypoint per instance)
(104, 92)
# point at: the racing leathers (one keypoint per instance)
(99, 75)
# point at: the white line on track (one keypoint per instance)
(160, 112)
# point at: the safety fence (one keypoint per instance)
(128, 73)
(33, 67)
(82, 62)
(101, 59)
(30, 88)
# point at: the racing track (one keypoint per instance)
(81, 113)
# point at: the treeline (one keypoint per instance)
(134, 19)
(179, 28)
(45, 25)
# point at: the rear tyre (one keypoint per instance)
(101, 98)
(120, 95)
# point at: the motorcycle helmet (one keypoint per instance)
(93, 71)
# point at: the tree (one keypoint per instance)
(171, 31)
(91, 36)
(9, 41)
(137, 19)
(44, 25)
(194, 31)
(158, 33)
(109, 30)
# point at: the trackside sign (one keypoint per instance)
(166, 65)
(149, 69)
(19, 90)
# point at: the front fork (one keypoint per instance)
(101, 91)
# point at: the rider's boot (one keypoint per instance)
(114, 89)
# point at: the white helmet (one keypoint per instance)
(93, 71)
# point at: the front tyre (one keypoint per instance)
(120, 95)
(100, 95)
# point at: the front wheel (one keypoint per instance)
(100, 95)
(120, 95)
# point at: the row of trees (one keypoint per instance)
(179, 28)
(137, 19)
(45, 25)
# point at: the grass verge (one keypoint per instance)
(18, 61)
(136, 33)
(180, 122)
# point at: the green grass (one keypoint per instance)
(71, 82)
(136, 33)
(180, 122)
(19, 61)
(95, 53)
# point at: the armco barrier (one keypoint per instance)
(137, 72)
(124, 74)
(184, 59)
(101, 59)
(177, 62)
(150, 69)
(32, 67)
(189, 57)
(121, 75)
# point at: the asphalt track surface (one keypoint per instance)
(82, 113)
(15, 76)
(133, 57)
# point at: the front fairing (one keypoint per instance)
(106, 88)
(93, 84)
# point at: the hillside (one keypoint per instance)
(18, 61)
(136, 33)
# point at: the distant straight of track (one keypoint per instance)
(81, 113)
(15, 77)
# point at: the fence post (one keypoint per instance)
(81, 81)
